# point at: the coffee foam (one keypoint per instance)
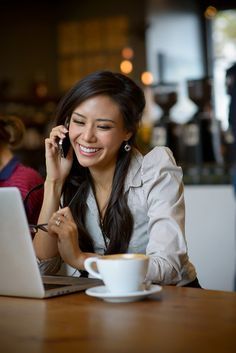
(124, 257)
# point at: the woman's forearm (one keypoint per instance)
(44, 244)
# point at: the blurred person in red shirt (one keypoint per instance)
(14, 173)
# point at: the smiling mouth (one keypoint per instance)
(88, 149)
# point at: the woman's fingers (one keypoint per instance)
(61, 218)
(62, 226)
(65, 213)
(58, 132)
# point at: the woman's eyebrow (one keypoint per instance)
(99, 119)
(80, 115)
(106, 119)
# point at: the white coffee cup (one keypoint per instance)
(121, 273)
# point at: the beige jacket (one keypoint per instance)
(156, 199)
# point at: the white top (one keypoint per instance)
(156, 200)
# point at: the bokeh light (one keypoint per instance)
(126, 67)
(210, 12)
(127, 53)
(147, 78)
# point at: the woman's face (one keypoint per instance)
(96, 132)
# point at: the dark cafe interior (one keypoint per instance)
(182, 54)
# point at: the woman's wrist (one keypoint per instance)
(53, 186)
(81, 259)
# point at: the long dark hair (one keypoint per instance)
(118, 220)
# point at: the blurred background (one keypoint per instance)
(178, 51)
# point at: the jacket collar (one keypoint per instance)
(133, 178)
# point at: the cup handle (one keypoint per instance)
(88, 267)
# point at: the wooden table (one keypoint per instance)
(178, 320)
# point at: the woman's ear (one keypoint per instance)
(128, 135)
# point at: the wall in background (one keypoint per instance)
(210, 233)
(27, 44)
(29, 37)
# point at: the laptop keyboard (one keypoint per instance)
(54, 285)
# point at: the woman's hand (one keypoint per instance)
(62, 226)
(57, 168)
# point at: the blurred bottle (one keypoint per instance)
(145, 129)
(228, 147)
(202, 133)
(165, 131)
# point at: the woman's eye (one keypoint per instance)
(104, 127)
(79, 122)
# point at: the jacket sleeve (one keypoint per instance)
(50, 266)
(163, 192)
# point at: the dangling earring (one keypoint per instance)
(127, 147)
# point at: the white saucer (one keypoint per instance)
(102, 292)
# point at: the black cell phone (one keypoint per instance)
(64, 146)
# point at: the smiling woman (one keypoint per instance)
(96, 133)
(124, 203)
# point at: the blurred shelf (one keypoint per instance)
(207, 174)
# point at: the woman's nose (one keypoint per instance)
(89, 134)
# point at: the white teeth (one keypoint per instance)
(88, 150)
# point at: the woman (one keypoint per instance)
(119, 200)
(14, 173)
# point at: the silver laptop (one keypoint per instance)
(19, 272)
